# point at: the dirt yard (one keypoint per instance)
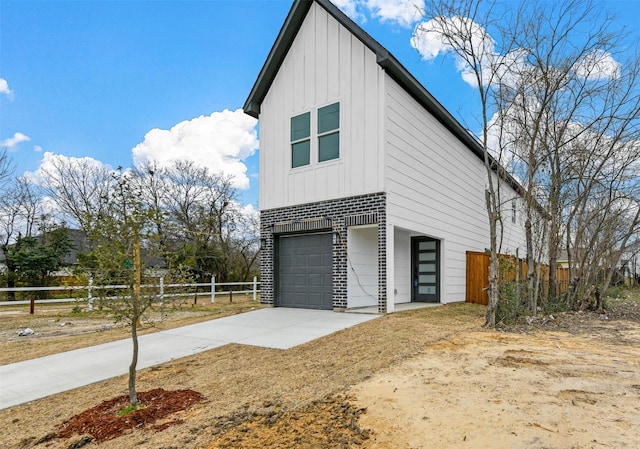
(424, 379)
(57, 328)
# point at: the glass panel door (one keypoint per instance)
(426, 269)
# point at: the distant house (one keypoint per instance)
(155, 266)
(371, 193)
(630, 264)
(79, 244)
(563, 258)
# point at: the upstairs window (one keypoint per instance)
(329, 132)
(301, 140)
(320, 142)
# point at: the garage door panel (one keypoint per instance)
(286, 270)
(305, 277)
(316, 260)
(316, 280)
(300, 279)
(314, 298)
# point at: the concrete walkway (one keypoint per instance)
(278, 328)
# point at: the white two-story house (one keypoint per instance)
(371, 193)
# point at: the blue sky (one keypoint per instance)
(97, 79)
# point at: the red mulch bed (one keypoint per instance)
(103, 423)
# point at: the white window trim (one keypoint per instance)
(314, 137)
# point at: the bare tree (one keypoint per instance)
(202, 214)
(78, 186)
(562, 107)
(200, 225)
(19, 210)
(462, 26)
(7, 169)
(156, 192)
(245, 246)
(603, 215)
(562, 89)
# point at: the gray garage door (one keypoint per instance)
(305, 278)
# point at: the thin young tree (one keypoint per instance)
(120, 233)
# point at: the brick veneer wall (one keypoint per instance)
(333, 215)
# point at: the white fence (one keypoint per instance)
(213, 289)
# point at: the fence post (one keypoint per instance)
(161, 291)
(255, 287)
(89, 295)
(213, 289)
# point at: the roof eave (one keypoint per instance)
(385, 60)
(276, 56)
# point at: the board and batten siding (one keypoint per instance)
(435, 186)
(326, 64)
(362, 271)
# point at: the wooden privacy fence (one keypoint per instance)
(511, 270)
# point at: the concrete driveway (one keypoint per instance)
(278, 328)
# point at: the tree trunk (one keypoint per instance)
(133, 396)
(135, 298)
(493, 293)
(552, 252)
(613, 264)
(531, 266)
(11, 280)
(11, 283)
(553, 278)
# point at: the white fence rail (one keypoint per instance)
(213, 289)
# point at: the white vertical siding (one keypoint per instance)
(325, 64)
(362, 266)
(436, 187)
(402, 275)
(513, 237)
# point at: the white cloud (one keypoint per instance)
(37, 148)
(220, 142)
(403, 12)
(598, 65)
(430, 39)
(50, 161)
(11, 144)
(351, 8)
(4, 88)
(250, 212)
